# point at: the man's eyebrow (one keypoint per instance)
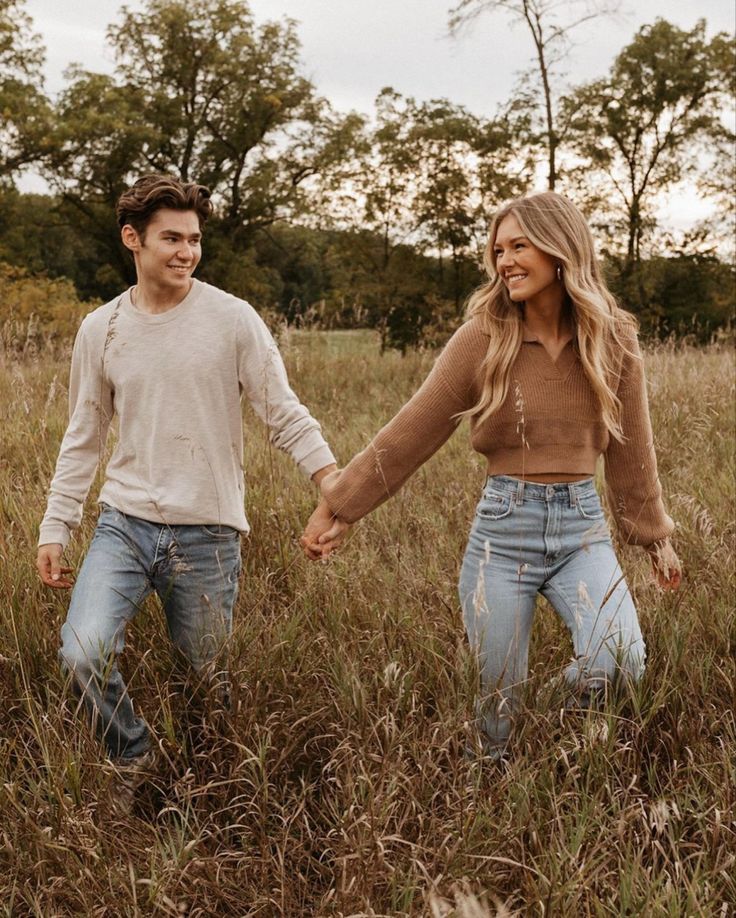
(171, 232)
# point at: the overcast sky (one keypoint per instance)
(351, 49)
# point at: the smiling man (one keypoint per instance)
(170, 358)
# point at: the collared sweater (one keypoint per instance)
(174, 380)
(550, 422)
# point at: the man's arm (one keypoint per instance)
(264, 381)
(90, 412)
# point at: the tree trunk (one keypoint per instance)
(534, 22)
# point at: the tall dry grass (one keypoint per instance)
(337, 786)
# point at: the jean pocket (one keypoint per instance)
(221, 533)
(589, 506)
(495, 505)
(107, 516)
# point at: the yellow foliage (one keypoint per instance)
(35, 309)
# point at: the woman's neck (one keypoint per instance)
(548, 318)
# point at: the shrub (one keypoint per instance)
(37, 311)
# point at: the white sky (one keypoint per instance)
(351, 49)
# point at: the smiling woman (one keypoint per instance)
(527, 271)
(548, 370)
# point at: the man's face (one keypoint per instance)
(169, 251)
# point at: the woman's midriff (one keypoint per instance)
(551, 477)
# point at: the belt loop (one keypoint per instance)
(520, 493)
(573, 494)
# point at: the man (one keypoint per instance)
(170, 357)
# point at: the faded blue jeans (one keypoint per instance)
(193, 569)
(552, 539)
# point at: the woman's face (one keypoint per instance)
(526, 270)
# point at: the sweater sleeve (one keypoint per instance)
(90, 413)
(263, 378)
(632, 482)
(419, 429)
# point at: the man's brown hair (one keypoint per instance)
(150, 193)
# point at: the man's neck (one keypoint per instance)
(153, 299)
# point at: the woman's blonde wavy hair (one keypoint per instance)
(555, 225)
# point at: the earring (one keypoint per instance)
(559, 272)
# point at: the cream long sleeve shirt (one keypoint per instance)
(174, 380)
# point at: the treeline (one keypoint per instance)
(352, 219)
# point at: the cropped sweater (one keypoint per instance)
(550, 422)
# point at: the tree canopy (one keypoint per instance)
(378, 217)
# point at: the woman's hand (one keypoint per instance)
(666, 567)
(323, 533)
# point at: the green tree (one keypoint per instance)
(465, 167)
(24, 108)
(99, 133)
(550, 24)
(425, 179)
(639, 130)
(717, 180)
(374, 211)
(35, 235)
(199, 90)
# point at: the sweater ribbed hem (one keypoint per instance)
(558, 458)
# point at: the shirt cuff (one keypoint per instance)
(54, 534)
(316, 460)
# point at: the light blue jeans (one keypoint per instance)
(551, 539)
(193, 569)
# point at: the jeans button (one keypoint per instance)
(550, 491)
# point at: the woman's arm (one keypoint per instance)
(632, 480)
(419, 429)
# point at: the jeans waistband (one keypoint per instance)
(565, 491)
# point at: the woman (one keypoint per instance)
(548, 370)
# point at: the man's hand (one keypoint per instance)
(48, 564)
(323, 533)
(666, 567)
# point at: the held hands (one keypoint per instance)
(48, 564)
(666, 567)
(323, 533)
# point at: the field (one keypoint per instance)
(338, 786)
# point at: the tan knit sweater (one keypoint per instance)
(549, 423)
